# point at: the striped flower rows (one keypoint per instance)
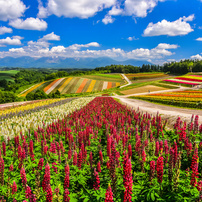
(31, 121)
(73, 85)
(187, 79)
(191, 99)
(104, 152)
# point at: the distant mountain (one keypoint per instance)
(60, 62)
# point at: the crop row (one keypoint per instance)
(31, 120)
(182, 98)
(72, 85)
(104, 152)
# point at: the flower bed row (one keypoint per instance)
(31, 120)
(27, 106)
(75, 158)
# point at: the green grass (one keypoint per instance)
(105, 77)
(8, 75)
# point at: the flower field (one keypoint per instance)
(192, 99)
(188, 80)
(72, 85)
(103, 151)
(139, 76)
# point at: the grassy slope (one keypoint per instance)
(8, 75)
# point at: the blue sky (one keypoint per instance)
(154, 30)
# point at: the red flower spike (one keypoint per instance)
(109, 195)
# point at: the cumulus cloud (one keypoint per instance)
(29, 24)
(15, 40)
(196, 57)
(50, 37)
(4, 30)
(17, 50)
(11, 9)
(74, 8)
(43, 49)
(199, 39)
(116, 10)
(175, 28)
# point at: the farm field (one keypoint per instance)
(106, 77)
(142, 89)
(190, 99)
(72, 85)
(100, 150)
(8, 75)
(145, 76)
(187, 80)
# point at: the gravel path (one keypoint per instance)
(167, 112)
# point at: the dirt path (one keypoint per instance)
(126, 78)
(167, 112)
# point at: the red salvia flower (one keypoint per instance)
(98, 167)
(40, 164)
(157, 148)
(75, 159)
(23, 177)
(53, 147)
(127, 179)
(70, 154)
(194, 168)
(49, 194)
(31, 150)
(143, 156)
(14, 188)
(152, 169)
(199, 185)
(80, 159)
(1, 171)
(46, 179)
(66, 180)
(109, 195)
(66, 197)
(28, 192)
(159, 169)
(54, 167)
(96, 184)
(130, 151)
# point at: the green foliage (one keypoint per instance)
(6, 96)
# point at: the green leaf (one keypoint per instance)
(152, 196)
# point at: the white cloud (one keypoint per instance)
(15, 40)
(167, 46)
(131, 38)
(42, 49)
(196, 57)
(58, 49)
(29, 24)
(79, 46)
(17, 50)
(199, 39)
(74, 8)
(108, 19)
(50, 37)
(116, 10)
(175, 28)
(4, 30)
(11, 9)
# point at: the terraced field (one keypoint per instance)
(72, 85)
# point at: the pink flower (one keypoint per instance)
(130, 151)
(31, 150)
(96, 184)
(23, 177)
(46, 179)
(98, 167)
(159, 169)
(4, 148)
(66, 196)
(101, 156)
(40, 164)
(14, 188)
(11, 168)
(152, 169)
(194, 168)
(49, 194)
(127, 179)
(109, 195)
